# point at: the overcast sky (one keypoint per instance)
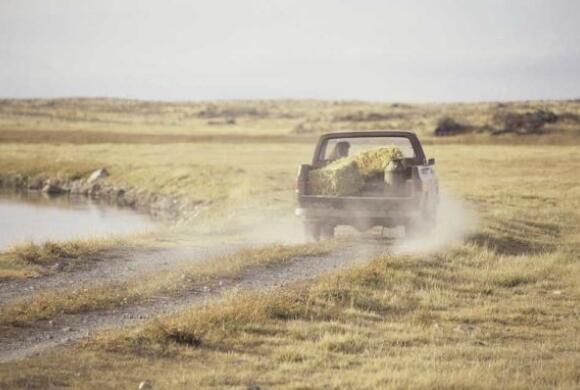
(330, 49)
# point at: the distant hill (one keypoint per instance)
(266, 117)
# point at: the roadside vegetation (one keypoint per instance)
(49, 252)
(41, 259)
(30, 259)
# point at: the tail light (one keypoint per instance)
(300, 185)
(301, 179)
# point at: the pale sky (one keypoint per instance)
(258, 49)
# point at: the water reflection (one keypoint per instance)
(33, 216)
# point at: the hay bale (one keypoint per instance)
(374, 161)
(346, 176)
(340, 178)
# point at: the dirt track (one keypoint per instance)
(19, 343)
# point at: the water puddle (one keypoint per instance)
(35, 217)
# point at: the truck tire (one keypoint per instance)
(327, 232)
(312, 230)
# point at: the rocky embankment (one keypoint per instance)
(97, 186)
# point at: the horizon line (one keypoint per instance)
(294, 99)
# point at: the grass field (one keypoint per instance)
(120, 120)
(499, 310)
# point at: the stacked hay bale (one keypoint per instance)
(339, 178)
(346, 176)
(374, 161)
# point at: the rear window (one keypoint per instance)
(361, 144)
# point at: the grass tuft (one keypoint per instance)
(51, 252)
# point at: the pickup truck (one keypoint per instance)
(405, 196)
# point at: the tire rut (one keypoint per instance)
(43, 336)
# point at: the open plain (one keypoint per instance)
(225, 292)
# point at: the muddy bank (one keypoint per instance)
(96, 186)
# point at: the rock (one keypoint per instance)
(145, 385)
(18, 180)
(98, 174)
(35, 184)
(52, 189)
(526, 123)
(94, 189)
(448, 126)
(76, 187)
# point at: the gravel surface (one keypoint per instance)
(17, 343)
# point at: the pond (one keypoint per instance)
(33, 216)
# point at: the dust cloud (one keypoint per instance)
(285, 230)
(456, 220)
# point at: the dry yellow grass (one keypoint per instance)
(36, 259)
(30, 259)
(399, 322)
(51, 251)
(200, 171)
(259, 118)
(423, 322)
(498, 311)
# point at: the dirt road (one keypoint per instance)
(20, 342)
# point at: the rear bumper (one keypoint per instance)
(356, 210)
